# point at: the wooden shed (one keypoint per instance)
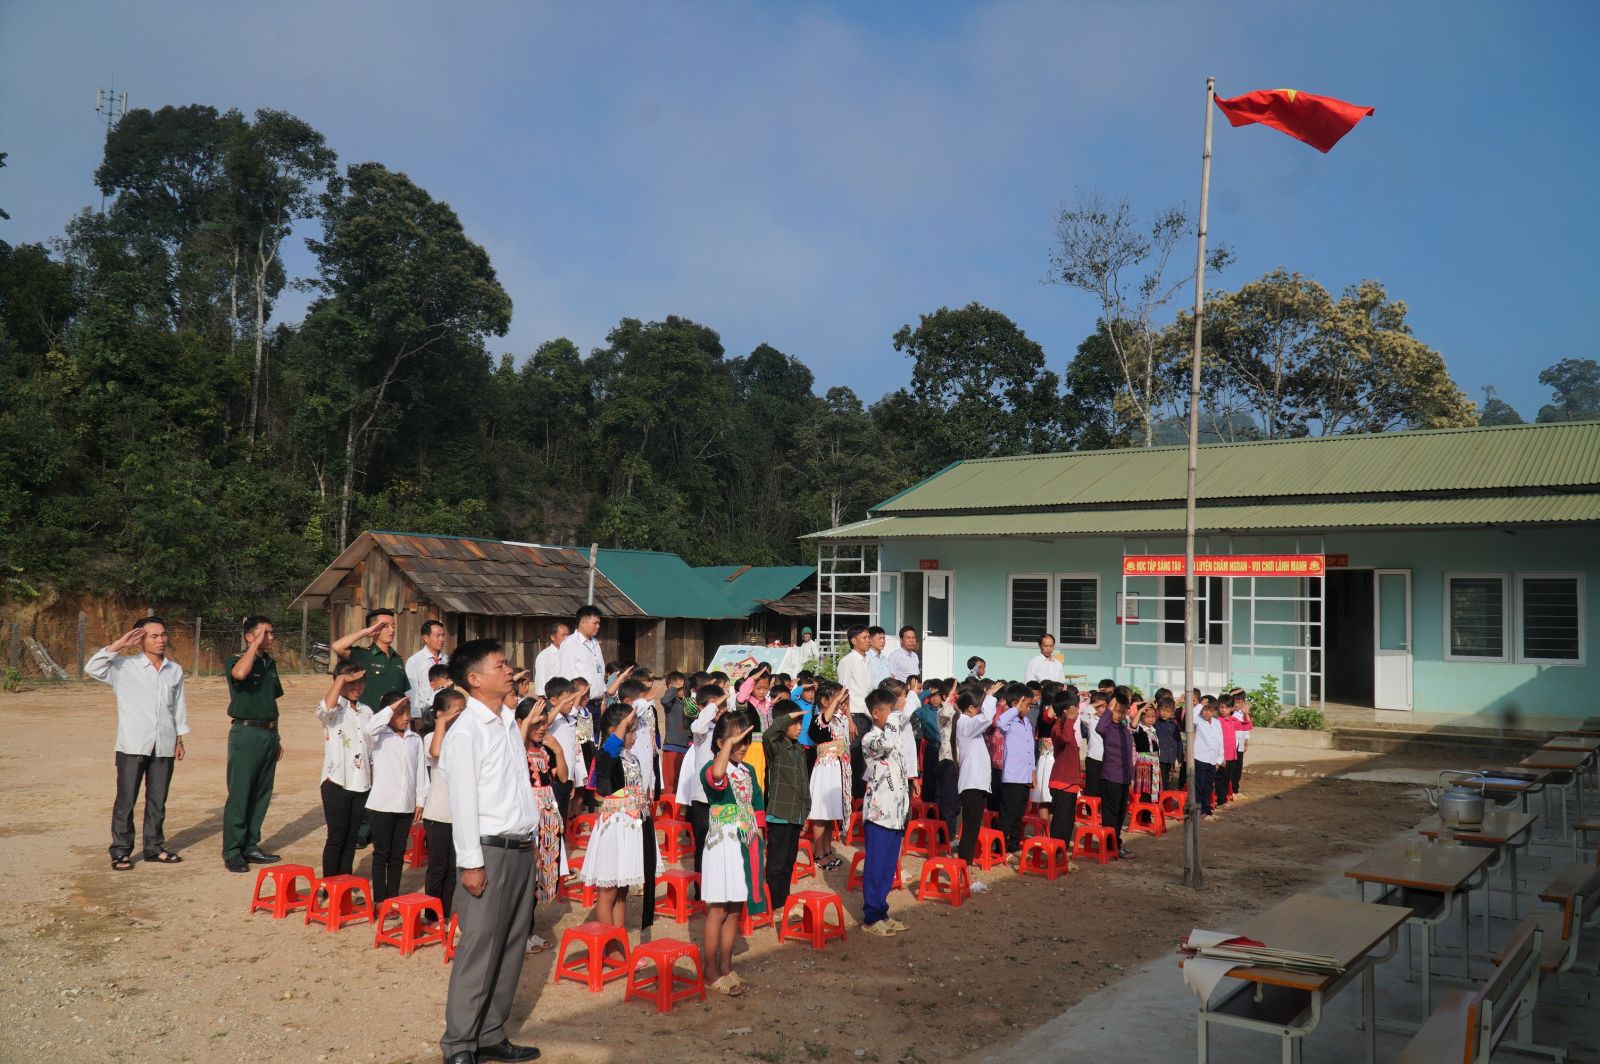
(478, 588)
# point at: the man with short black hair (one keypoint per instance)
(152, 719)
(877, 640)
(254, 748)
(547, 665)
(903, 662)
(581, 655)
(417, 666)
(386, 669)
(976, 667)
(493, 818)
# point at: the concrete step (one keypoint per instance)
(1500, 747)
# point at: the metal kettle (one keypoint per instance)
(1459, 806)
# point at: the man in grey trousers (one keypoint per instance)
(492, 810)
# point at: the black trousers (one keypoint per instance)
(155, 773)
(342, 810)
(647, 912)
(1225, 777)
(783, 844)
(1091, 775)
(440, 879)
(1013, 804)
(973, 804)
(391, 832)
(1169, 769)
(1113, 807)
(1238, 771)
(699, 823)
(949, 796)
(1205, 778)
(1063, 815)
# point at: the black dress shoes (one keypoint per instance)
(506, 1050)
(465, 1056)
(260, 856)
(236, 864)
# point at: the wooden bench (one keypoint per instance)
(1470, 1024)
(1576, 893)
(1581, 830)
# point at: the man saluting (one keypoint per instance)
(493, 815)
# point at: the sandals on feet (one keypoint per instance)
(164, 857)
(728, 987)
(121, 864)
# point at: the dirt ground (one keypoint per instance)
(164, 963)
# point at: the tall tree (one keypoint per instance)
(1104, 250)
(1576, 383)
(979, 388)
(1496, 411)
(401, 280)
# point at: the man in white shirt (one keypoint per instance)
(855, 670)
(418, 664)
(904, 663)
(810, 649)
(581, 654)
(1045, 666)
(493, 819)
(547, 665)
(876, 658)
(152, 719)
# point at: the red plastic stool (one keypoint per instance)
(666, 986)
(853, 881)
(677, 903)
(991, 818)
(805, 866)
(339, 907)
(417, 852)
(450, 938)
(285, 897)
(579, 828)
(749, 923)
(410, 933)
(677, 840)
(1033, 825)
(1044, 857)
(814, 924)
(945, 877)
(667, 809)
(927, 838)
(855, 804)
(920, 808)
(594, 969)
(573, 888)
(1173, 803)
(855, 832)
(1095, 842)
(1147, 817)
(991, 848)
(1088, 808)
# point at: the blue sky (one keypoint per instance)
(815, 175)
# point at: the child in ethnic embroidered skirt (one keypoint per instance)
(831, 732)
(547, 766)
(615, 860)
(733, 869)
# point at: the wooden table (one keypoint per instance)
(1586, 743)
(1568, 761)
(1427, 889)
(1507, 786)
(1505, 832)
(1289, 1004)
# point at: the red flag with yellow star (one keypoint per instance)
(1320, 121)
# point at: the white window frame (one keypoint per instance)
(1507, 628)
(1049, 603)
(1052, 609)
(1055, 611)
(1517, 629)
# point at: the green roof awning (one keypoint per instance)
(1276, 517)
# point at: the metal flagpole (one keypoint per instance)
(1193, 873)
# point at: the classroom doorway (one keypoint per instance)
(1348, 652)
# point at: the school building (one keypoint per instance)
(1440, 577)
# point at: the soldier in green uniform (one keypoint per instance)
(253, 746)
(386, 671)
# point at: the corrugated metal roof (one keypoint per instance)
(1477, 459)
(1310, 516)
(481, 576)
(746, 587)
(664, 585)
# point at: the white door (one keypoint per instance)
(938, 623)
(1391, 668)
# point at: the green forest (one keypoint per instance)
(167, 437)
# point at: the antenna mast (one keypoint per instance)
(110, 106)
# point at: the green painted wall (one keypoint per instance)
(1483, 693)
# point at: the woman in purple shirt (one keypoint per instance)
(1116, 773)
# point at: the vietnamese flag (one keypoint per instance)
(1320, 121)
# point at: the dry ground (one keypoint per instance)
(163, 963)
